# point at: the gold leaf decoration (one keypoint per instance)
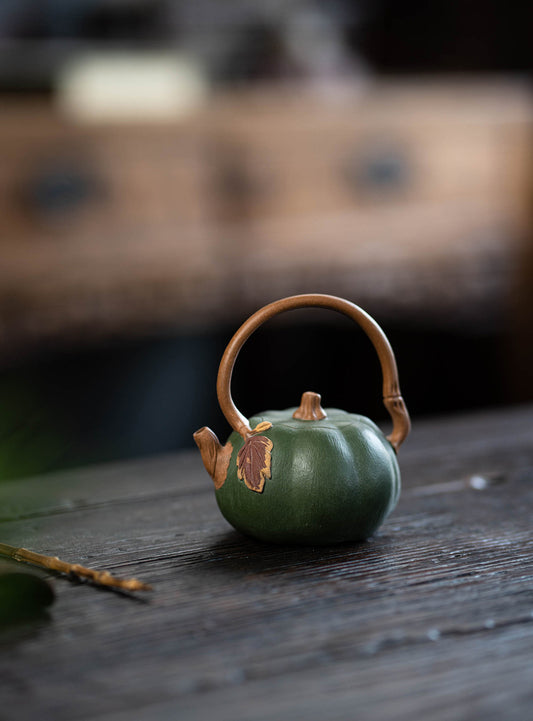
(263, 426)
(254, 461)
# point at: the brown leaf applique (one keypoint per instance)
(254, 460)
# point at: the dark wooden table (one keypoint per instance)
(431, 619)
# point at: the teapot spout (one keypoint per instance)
(214, 455)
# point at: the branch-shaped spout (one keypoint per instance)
(214, 455)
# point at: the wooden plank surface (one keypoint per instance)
(432, 618)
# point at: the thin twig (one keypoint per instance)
(103, 578)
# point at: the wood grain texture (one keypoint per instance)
(432, 618)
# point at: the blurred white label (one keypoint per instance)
(124, 87)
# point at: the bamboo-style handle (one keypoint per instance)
(392, 397)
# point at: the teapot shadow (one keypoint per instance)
(234, 553)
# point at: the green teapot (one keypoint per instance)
(306, 475)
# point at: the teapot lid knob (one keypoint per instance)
(310, 408)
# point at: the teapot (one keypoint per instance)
(306, 475)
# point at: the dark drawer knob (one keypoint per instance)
(378, 169)
(59, 188)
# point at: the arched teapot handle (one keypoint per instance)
(392, 397)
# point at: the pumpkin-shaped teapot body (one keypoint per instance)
(306, 475)
(333, 479)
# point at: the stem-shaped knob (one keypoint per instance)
(310, 408)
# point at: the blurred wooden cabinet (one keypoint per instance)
(406, 145)
(408, 198)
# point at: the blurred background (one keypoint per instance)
(167, 167)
